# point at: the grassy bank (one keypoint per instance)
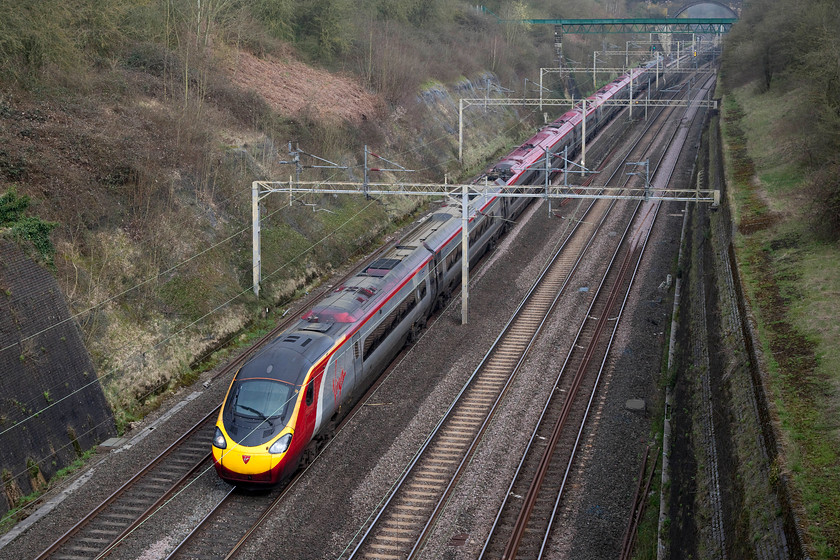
(791, 282)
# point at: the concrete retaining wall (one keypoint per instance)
(52, 407)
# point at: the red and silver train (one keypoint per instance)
(525, 165)
(289, 396)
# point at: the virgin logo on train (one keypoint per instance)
(246, 458)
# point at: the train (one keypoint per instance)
(286, 400)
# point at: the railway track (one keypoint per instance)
(135, 500)
(401, 527)
(524, 523)
(103, 528)
(228, 525)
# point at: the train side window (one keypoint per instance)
(310, 393)
(409, 304)
(450, 259)
(381, 332)
(455, 254)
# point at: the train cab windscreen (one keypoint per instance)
(261, 399)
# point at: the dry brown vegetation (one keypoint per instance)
(138, 128)
(293, 88)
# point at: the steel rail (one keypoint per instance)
(605, 213)
(201, 523)
(81, 524)
(104, 545)
(470, 452)
(638, 506)
(522, 519)
(580, 374)
(519, 470)
(451, 411)
(154, 507)
(262, 518)
(626, 540)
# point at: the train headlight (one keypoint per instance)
(281, 445)
(219, 440)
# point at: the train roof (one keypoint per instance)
(364, 292)
(287, 358)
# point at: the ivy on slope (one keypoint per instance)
(16, 225)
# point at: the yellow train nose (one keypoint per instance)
(247, 461)
(244, 464)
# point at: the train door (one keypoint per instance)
(436, 270)
(307, 423)
(355, 359)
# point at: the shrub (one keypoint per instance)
(26, 228)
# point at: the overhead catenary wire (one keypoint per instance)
(279, 268)
(166, 339)
(180, 331)
(281, 405)
(413, 149)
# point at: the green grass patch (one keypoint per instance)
(817, 311)
(782, 180)
(183, 295)
(282, 247)
(19, 511)
(793, 288)
(772, 144)
(771, 141)
(25, 229)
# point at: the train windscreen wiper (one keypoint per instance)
(257, 412)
